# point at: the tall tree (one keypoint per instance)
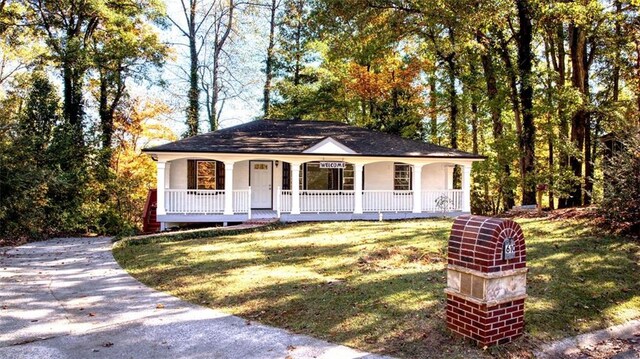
(121, 51)
(220, 21)
(194, 21)
(69, 27)
(525, 58)
(270, 58)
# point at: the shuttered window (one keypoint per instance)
(205, 174)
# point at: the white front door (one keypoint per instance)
(260, 181)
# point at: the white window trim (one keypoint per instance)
(410, 171)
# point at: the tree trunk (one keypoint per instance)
(218, 44)
(453, 104)
(193, 110)
(563, 202)
(298, 40)
(525, 57)
(497, 125)
(433, 108)
(515, 102)
(266, 107)
(617, 42)
(578, 46)
(550, 133)
(474, 127)
(215, 96)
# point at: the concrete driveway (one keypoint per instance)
(68, 298)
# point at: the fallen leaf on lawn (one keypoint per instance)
(159, 306)
(626, 290)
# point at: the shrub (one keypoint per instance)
(621, 203)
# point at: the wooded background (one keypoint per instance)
(532, 85)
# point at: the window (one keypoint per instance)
(286, 176)
(320, 178)
(333, 179)
(205, 174)
(347, 177)
(402, 177)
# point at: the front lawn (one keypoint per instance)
(378, 286)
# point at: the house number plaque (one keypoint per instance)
(508, 249)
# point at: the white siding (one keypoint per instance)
(378, 176)
(241, 175)
(179, 174)
(434, 176)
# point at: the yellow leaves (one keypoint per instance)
(376, 81)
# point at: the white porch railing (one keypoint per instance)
(242, 201)
(372, 201)
(327, 201)
(442, 200)
(313, 201)
(387, 201)
(284, 201)
(205, 201)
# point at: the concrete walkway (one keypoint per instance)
(68, 298)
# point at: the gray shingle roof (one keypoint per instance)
(293, 137)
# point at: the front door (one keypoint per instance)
(260, 182)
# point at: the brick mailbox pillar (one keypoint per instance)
(486, 279)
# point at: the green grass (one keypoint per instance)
(379, 286)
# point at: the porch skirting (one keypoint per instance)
(303, 217)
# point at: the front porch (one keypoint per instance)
(253, 189)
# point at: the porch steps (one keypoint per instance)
(149, 219)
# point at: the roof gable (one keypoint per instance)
(330, 146)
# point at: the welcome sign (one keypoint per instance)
(325, 164)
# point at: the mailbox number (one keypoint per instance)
(508, 249)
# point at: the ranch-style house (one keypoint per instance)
(306, 171)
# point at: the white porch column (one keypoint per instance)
(160, 177)
(167, 175)
(466, 188)
(295, 188)
(417, 188)
(357, 187)
(228, 188)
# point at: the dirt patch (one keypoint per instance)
(12, 242)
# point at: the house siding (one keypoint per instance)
(378, 176)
